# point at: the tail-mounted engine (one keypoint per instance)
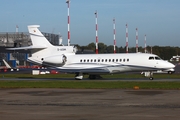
(60, 59)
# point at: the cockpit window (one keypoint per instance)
(154, 58)
(157, 58)
(151, 58)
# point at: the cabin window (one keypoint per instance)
(98, 60)
(112, 60)
(109, 60)
(84, 60)
(88, 60)
(124, 60)
(94, 60)
(127, 60)
(120, 60)
(91, 60)
(105, 60)
(102, 60)
(116, 60)
(80, 60)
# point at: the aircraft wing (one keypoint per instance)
(26, 48)
(85, 71)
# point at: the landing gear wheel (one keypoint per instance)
(169, 72)
(151, 76)
(78, 76)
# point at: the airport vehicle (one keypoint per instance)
(65, 59)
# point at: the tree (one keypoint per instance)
(102, 48)
(110, 49)
(91, 46)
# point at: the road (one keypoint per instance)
(89, 104)
(86, 79)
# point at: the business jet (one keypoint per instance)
(65, 59)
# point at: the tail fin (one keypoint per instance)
(37, 37)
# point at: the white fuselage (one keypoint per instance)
(115, 63)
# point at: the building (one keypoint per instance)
(18, 39)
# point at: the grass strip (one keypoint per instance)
(108, 76)
(90, 84)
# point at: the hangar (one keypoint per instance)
(20, 39)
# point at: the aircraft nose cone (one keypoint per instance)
(171, 65)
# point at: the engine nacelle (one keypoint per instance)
(60, 59)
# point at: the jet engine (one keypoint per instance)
(60, 59)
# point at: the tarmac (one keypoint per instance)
(89, 104)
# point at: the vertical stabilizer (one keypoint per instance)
(37, 37)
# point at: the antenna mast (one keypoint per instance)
(96, 32)
(126, 38)
(145, 44)
(68, 1)
(136, 39)
(114, 35)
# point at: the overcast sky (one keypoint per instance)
(158, 19)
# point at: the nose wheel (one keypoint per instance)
(151, 78)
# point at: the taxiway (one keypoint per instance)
(89, 104)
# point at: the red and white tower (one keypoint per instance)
(96, 32)
(68, 4)
(114, 35)
(136, 39)
(126, 38)
(145, 45)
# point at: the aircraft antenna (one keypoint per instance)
(114, 35)
(126, 38)
(68, 5)
(96, 32)
(136, 40)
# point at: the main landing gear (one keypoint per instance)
(149, 74)
(79, 76)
